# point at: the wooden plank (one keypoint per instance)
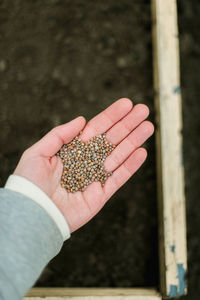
(140, 297)
(172, 221)
(92, 294)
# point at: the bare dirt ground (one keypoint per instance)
(189, 25)
(60, 59)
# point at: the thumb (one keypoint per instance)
(59, 135)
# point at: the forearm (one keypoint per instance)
(29, 237)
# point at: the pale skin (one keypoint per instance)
(125, 126)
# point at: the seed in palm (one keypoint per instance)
(83, 162)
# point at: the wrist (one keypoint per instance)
(26, 187)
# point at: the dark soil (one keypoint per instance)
(61, 59)
(189, 25)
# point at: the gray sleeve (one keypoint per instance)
(29, 239)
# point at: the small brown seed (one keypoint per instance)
(83, 162)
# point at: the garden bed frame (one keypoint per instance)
(170, 173)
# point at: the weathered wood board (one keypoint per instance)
(172, 224)
(93, 294)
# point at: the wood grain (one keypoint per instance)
(172, 223)
(92, 294)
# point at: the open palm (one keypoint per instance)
(124, 126)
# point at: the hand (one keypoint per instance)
(124, 126)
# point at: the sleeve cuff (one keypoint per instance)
(24, 186)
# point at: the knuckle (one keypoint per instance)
(55, 129)
(89, 124)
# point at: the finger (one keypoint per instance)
(62, 134)
(133, 141)
(124, 172)
(121, 129)
(106, 119)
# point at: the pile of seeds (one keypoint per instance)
(83, 162)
